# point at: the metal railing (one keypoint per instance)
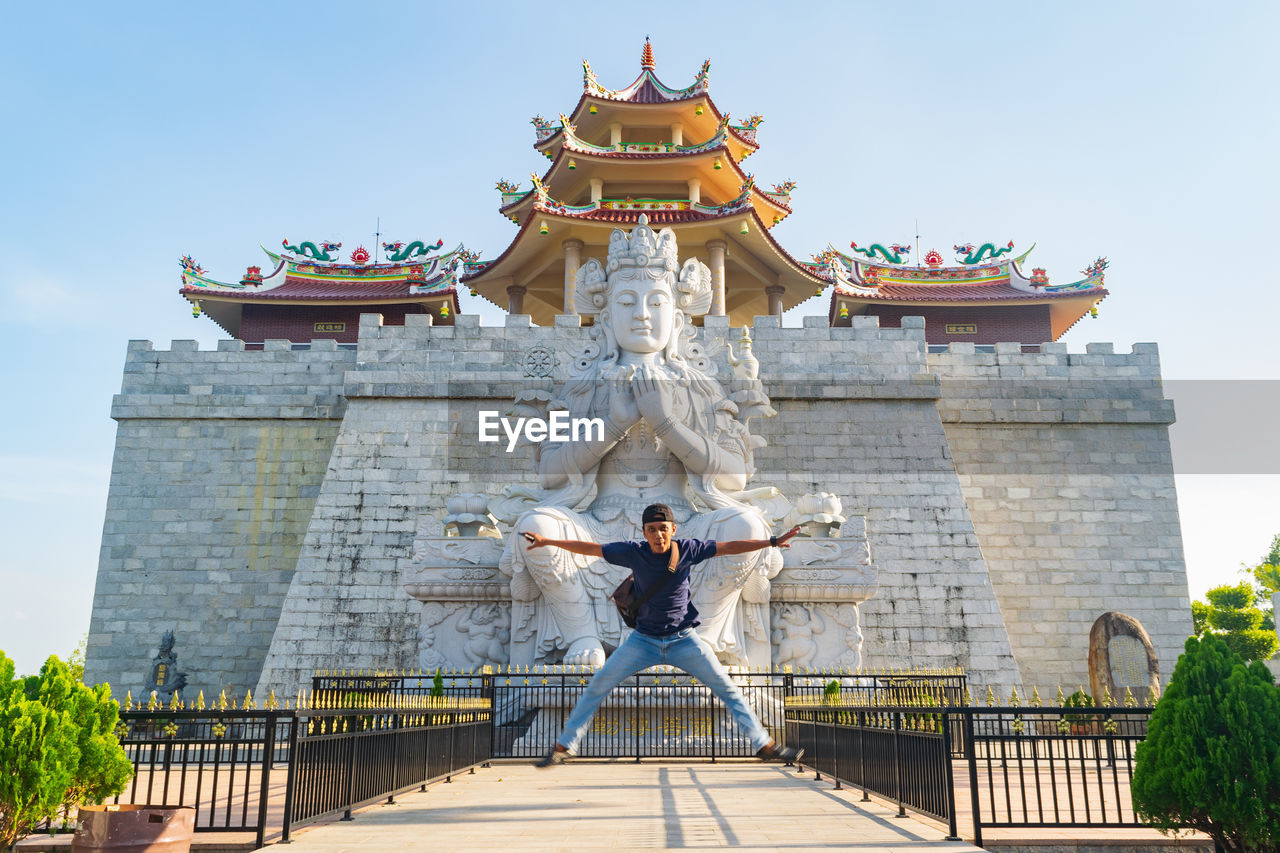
(658, 713)
(1006, 766)
(251, 770)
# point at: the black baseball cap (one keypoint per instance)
(658, 512)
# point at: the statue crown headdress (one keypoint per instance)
(642, 248)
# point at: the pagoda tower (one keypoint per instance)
(670, 154)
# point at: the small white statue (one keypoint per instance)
(746, 365)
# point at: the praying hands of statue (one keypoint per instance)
(653, 398)
(622, 404)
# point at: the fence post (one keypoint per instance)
(351, 772)
(487, 691)
(971, 753)
(290, 777)
(953, 831)
(862, 755)
(268, 753)
(395, 759)
(897, 763)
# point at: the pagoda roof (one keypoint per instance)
(647, 88)
(859, 284)
(538, 258)
(691, 105)
(738, 140)
(516, 205)
(296, 281)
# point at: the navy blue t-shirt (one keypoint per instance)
(669, 611)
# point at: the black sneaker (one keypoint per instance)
(552, 758)
(786, 754)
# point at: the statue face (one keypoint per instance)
(642, 311)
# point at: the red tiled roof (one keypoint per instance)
(321, 291)
(960, 293)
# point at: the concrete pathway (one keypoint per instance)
(621, 805)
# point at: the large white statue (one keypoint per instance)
(672, 435)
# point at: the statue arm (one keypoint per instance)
(702, 455)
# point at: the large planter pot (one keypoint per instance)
(134, 829)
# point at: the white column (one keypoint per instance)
(774, 292)
(572, 260)
(515, 299)
(615, 133)
(677, 134)
(597, 189)
(716, 249)
(695, 191)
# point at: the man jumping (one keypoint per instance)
(665, 625)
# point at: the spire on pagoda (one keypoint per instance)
(646, 55)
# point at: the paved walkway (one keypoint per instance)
(621, 805)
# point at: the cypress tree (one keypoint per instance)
(1211, 759)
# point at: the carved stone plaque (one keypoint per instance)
(1121, 656)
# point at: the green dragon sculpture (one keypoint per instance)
(309, 249)
(398, 252)
(987, 251)
(895, 254)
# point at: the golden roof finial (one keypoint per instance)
(646, 56)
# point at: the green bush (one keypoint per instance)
(1199, 617)
(1235, 597)
(58, 747)
(1231, 614)
(1235, 620)
(1253, 644)
(1211, 759)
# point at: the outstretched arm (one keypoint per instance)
(744, 546)
(577, 546)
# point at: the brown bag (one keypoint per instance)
(624, 597)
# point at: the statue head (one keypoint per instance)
(641, 297)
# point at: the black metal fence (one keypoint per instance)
(1006, 766)
(249, 770)
(658, 713)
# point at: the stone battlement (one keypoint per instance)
(230, 382)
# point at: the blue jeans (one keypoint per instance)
(685, 650)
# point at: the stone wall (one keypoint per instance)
(1065, 463)
(264, 505)
(219, 457)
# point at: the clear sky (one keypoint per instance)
(135, 133)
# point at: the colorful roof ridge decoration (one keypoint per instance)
(435, 273)
(991, 280)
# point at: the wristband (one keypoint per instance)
(773, 541)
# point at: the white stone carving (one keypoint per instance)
(469, 516)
